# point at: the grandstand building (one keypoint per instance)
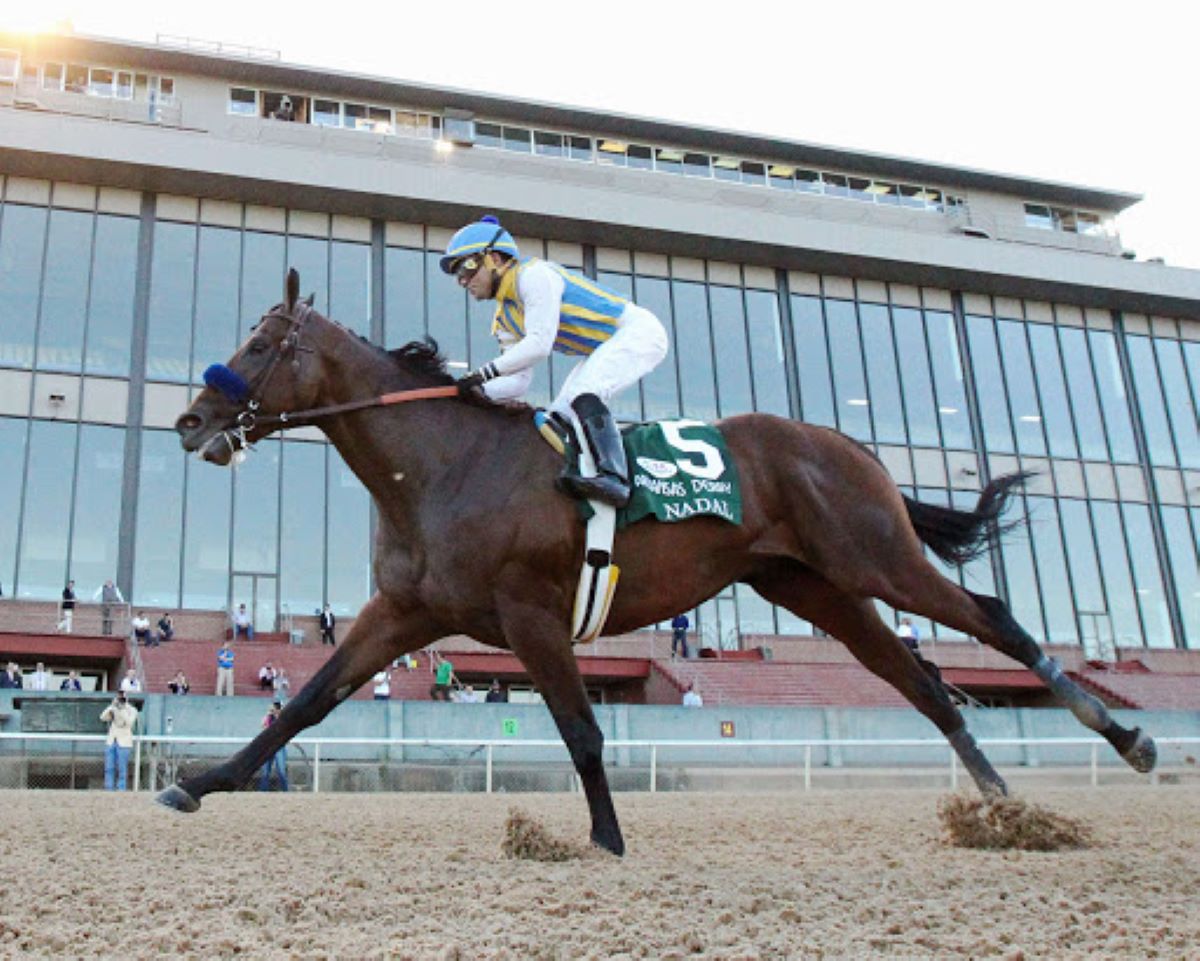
(961, 323)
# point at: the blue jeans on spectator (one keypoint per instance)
(278, 763)
(116, 764)
(247, 629)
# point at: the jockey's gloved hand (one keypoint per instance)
(476, 379)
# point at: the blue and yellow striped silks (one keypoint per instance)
(586, 319)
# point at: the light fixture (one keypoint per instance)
(947, 410)
(727, 163)
(1030, 419)
(613, 146)
(858, 402)
(457, 364)
(874, 187)
(781, 170)
(669, 153)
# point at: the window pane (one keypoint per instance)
(171, 285)
(1024, 596)
(977, 575)
(302, 545)
(110, 313)
(243, 101)
(626, 406)
(206, 536)
(849, 381)
(350, 286)
(262, 277)
(948, 380)
(660, 389)
(349, 560)
(159, 521)
(766, 352)
(548, 144)
(1022, 395)
(1052, 571)
(447, 310)
(693, 342)
(1179, 400)
(989, 385)
(812, 362)
(1118, 581)
(1060, 431)
(517, 138)
(1147, 576)
(1085, 572)
(1082, 387)
(1181, 549)
(404, 296)
(64, 291)
(22, 240)
(1114, 399)
(256, 510)
(12, 442)
(97, 504)
(729, 341)
(488, 134)
(1150, 400)
(915, 377)
(216, 326)
(887, 410)
(47, 511)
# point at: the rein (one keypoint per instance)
(235, 388)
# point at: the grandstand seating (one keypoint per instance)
(782, 684)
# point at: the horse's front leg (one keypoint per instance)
(381, 633)
(541, 639)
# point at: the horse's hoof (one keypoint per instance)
(178, 799)
(1143, 755)
(613, 845)
(995, 790)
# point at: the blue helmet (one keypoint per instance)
(478, 238)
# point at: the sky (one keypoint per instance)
(1091, 93)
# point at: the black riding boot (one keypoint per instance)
(611, 483)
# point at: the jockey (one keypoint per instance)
(540, 307)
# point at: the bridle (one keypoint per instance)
(231, 385)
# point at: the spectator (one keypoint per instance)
(266, 677)
(120, 716)
(407, 661)
(225, 670)
(281, 685)
(285, 110)
(468, 695)
(496, 694)
(107, 594)
(71, 682)
(679, 627)
(141, 629)
(691, 697)
(383, 685)
(242, 624)
(40, 679)
(130, 683)
(909, 634)
(278, 760)
(11, 676)
(166, 628)
(442, 679)
(179, 684)
(66, 609)
(328, 623)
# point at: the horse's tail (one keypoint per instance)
(960, 536)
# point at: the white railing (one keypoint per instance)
(142, 743)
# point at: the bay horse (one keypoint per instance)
(473, 539)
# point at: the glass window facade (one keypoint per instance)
(1109, 561)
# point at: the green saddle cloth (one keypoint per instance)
(680, 469)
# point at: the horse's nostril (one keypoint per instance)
(188, 422)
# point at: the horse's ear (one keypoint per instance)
(309, 299)
(291, 290)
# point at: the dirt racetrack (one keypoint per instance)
(845, 874)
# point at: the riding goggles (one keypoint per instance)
(468, 265)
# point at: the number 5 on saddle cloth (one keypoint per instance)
(679, 469)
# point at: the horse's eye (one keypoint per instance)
(258, 347)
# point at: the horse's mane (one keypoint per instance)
(422, 358)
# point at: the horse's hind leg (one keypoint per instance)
(855, 622)
(381, 633)
(541, 641)
(918, 587)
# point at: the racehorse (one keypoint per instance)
(474, 540)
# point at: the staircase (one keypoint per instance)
(781, 684)
(1144, 689)
(198, 660)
